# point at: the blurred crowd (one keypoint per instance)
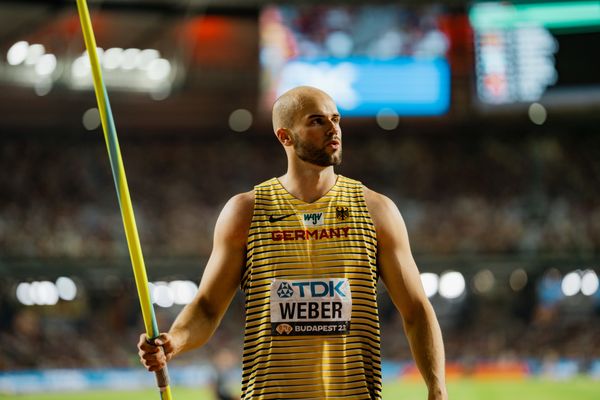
(98, 330)
(484, 194)
(535, 195)
(101, 329)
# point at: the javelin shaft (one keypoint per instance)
(118, 171)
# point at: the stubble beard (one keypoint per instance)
(316, 155)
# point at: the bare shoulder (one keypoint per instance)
(382, 208)
(236, 216)
(242, 203)
(389, 224)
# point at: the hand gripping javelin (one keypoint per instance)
(118, 171)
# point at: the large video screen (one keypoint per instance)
(528, 51)
(371, 59)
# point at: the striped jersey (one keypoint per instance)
(312, 327)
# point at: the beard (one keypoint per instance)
(317, 155)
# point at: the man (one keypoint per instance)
(307, 249)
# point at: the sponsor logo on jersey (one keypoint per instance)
(284, 329)
(310, 234)
(319, 288)
(273, 219)
(313, 219)
(285, 290)
(310, 306)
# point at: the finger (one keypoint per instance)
(156, 368)
(142, 339)
(153, 353)
(153, 358)
(150, 345)
(165, 341)
(162, 339)
(153, 365)
(149, 348)
(156, 341)
(147, 359)
(144, 344)
(157, 362)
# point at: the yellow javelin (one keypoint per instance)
(118, 170)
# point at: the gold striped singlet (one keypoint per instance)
(312, 327)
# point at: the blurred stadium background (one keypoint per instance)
(479, 119)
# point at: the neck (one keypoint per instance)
(308, 182)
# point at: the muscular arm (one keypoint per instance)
(400, 275)
(198, 320)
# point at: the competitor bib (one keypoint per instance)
(321, 306)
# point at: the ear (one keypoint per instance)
(285, 136)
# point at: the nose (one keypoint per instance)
(333, 129)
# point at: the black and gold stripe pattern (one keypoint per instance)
(281, 245)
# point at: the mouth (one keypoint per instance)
(334, 144)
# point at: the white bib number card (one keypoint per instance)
(321, 306)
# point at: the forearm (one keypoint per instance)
(194, 326)
(425, 339)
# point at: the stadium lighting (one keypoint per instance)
(537, 113)
(518, 279)
(46, 293)
(31, 66)
(183, 291)
(46, 65)
(589, 283)
(34, 53)
(167, 294)
(430, 283)
(43, 293)
(151, 287)
(145, 56)
(24, 293)
(67, 290)
(17, 53)
(571, 284)
(483, 281)
(91, 119)
(130, 58)
(387, 119)
(113, 58)
(42, 87)
(122, 69)
(161, 92)
(164, 296)
(81, 67)
(452, 285)
(159, 69)
(240, 120)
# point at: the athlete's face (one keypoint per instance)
(317, 134)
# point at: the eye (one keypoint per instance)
(317, 121)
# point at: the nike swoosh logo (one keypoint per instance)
(275, 219)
